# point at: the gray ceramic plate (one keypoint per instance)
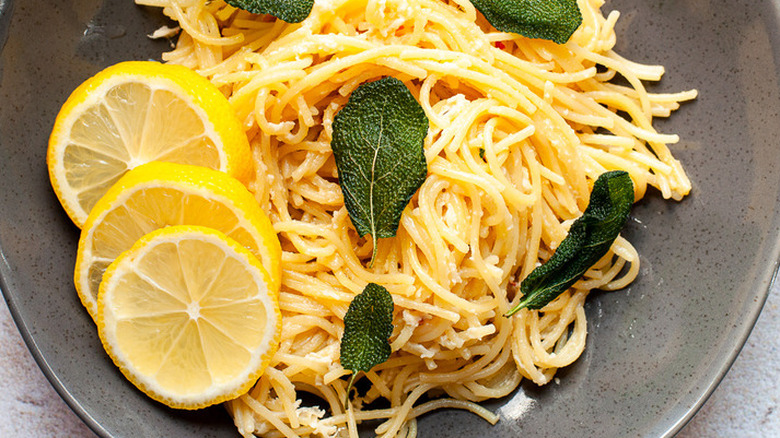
(655, 351)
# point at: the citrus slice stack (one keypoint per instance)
(189, 316)
(133, 113)
(158, 194)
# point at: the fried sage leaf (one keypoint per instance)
(589, 239)
(378, 146)
(368, 325)
(291, 11)
(554, 20)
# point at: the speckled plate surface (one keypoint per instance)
(656, 350)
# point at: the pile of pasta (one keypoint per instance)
(519, 131)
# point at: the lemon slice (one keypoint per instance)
(158, 194)
(187, 314)
(133, 113)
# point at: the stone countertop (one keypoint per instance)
(746, 404)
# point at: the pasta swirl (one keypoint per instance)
(519, 131)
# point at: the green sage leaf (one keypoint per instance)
(378, 145)
(368, 325)
(554, 20)
(589, 239)
(291, 11)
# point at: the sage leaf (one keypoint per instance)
(368, 325)
(291, 11)
(378, 145)
(589, 239)
(554, 20)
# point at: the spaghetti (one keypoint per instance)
(519, 131)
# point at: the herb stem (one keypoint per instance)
(349, 388)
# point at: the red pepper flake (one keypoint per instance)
(499, 45)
